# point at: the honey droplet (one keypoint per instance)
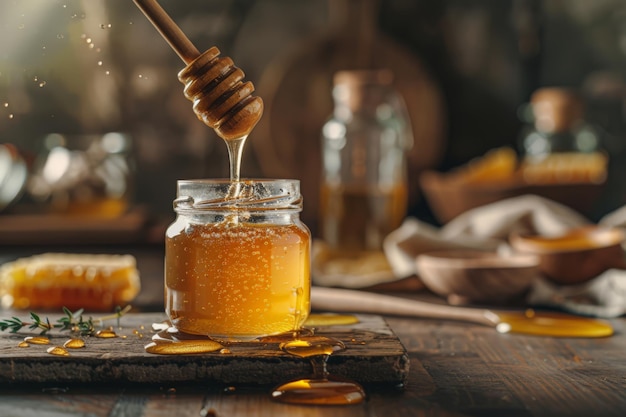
(23, 344)
(58, 351)
(37, 340)
(312, 346)
(225, 351)
(74, 344)
(182, 347)
(319, 320)
(324, 391)
(106, 334)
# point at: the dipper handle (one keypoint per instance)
(169, 30)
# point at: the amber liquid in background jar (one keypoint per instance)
(358, 218)
(237, 269)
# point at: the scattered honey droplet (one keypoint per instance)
(37, 340)
(6, 105)
(182, 347)
(58, 351)
(225, 351)
(106, 334)
(319, 320)
(74, 344)
(23, 344)
(11, 116)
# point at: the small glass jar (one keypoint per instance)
(560, 146)
(237, 259)
(364, 187)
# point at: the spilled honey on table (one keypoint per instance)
(320, 388)
(552, 324)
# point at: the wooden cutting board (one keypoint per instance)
(373, 355)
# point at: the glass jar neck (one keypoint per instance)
(247, 196)
(361, 92)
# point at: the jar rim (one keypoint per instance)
(221, 194)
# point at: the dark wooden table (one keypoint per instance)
(457, 369)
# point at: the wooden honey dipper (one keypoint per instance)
(221, 99)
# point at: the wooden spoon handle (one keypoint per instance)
(340, 300)
(168, 29)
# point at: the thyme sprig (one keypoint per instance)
(71, 321)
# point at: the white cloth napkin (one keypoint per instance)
(487, 228)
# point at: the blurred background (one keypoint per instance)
(90, 104)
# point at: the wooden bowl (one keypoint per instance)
(477, 277)
(450, 197)
(577, 256)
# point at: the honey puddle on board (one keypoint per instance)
(320, 388)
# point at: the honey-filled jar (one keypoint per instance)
(237, 259)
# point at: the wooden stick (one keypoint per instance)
(169, 30)
(335, 299)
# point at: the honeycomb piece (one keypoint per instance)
(55, 280)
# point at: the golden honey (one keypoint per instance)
(237, 260)
(357, 219)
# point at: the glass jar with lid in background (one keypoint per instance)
(364, 177)
(560, 146)
(237, 259)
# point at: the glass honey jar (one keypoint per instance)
(237, 259)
